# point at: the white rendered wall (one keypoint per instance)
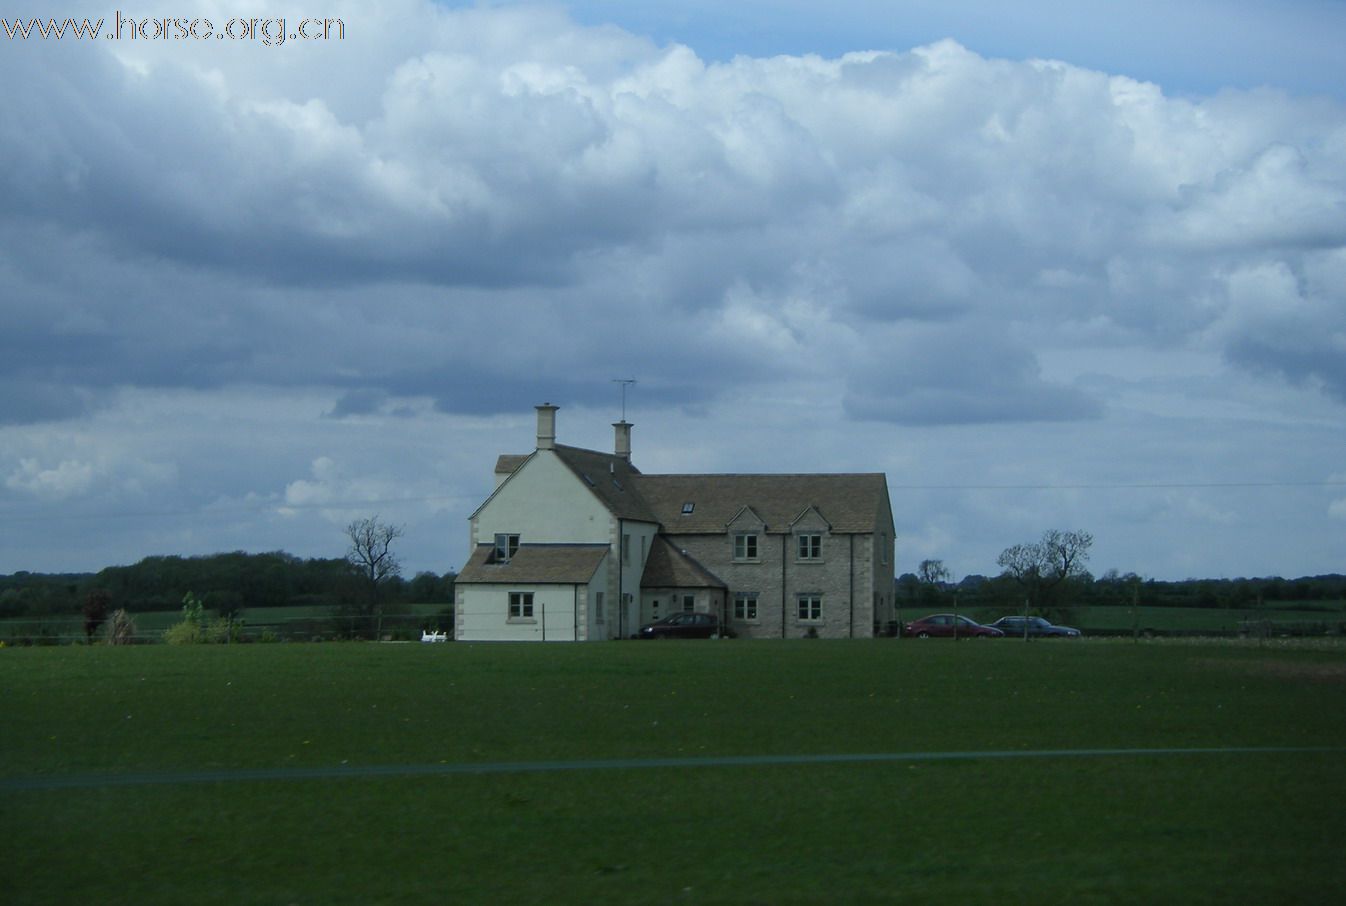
(544, 503)
(484, 614)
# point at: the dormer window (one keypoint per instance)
(745, 546)
(688, 507)
(506, 546)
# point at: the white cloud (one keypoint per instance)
(66, 479)
(459, 212)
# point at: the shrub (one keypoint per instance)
(121, 629)
(184, 633)
(221, 631)
(215, 632)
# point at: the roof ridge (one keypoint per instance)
(760, 474)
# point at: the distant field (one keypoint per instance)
(1330, 616)
(151, 624)
(1187, 619)
(1254, 817)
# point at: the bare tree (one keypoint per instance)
(371, 555)
(933, 572)
(1041, 568)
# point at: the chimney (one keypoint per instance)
(623, 445)
(546, 426)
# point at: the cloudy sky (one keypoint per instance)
(1043, 268)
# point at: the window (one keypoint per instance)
(810, 608)
(521, 605)
(506, 546)
(688, 603)
(745, 546)
(626, 549)
(810, 547)
(745, 605)
(688, 507)
(598, 607)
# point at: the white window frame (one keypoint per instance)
(809, 547)
(745, 606)
(809, 608)
(506, 549)
(521, 607)
(747, 548)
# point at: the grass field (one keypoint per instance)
(1242, 824)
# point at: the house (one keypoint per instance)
(575, 544)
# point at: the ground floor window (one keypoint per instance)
(745, 605)
(521, 605)
(598, 607)
(688, 603)
(810, 608)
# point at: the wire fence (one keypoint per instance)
(258, 629)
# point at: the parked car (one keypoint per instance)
(682, 626)
(948, 625)
(1038, 628)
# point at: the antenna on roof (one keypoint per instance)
(625, 382)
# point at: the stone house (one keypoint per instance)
(575, 544)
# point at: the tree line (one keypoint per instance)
(225, 583)
(1002, 592)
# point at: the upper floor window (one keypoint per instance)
(688, 507)
(506, 546)
(810, 547)
(745, 546)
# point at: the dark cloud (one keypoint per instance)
(951, 376)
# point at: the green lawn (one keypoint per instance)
(1198, 827)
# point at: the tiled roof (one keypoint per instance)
(611, 478)
(669, 567)
(849, 502)
(535, 564)
(508, 463)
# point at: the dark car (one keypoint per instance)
(948, 626)
(682, 626)
(1038, 628)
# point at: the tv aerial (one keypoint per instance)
(625, 382)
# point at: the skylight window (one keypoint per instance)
(688, 507)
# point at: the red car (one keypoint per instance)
(948, 626)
